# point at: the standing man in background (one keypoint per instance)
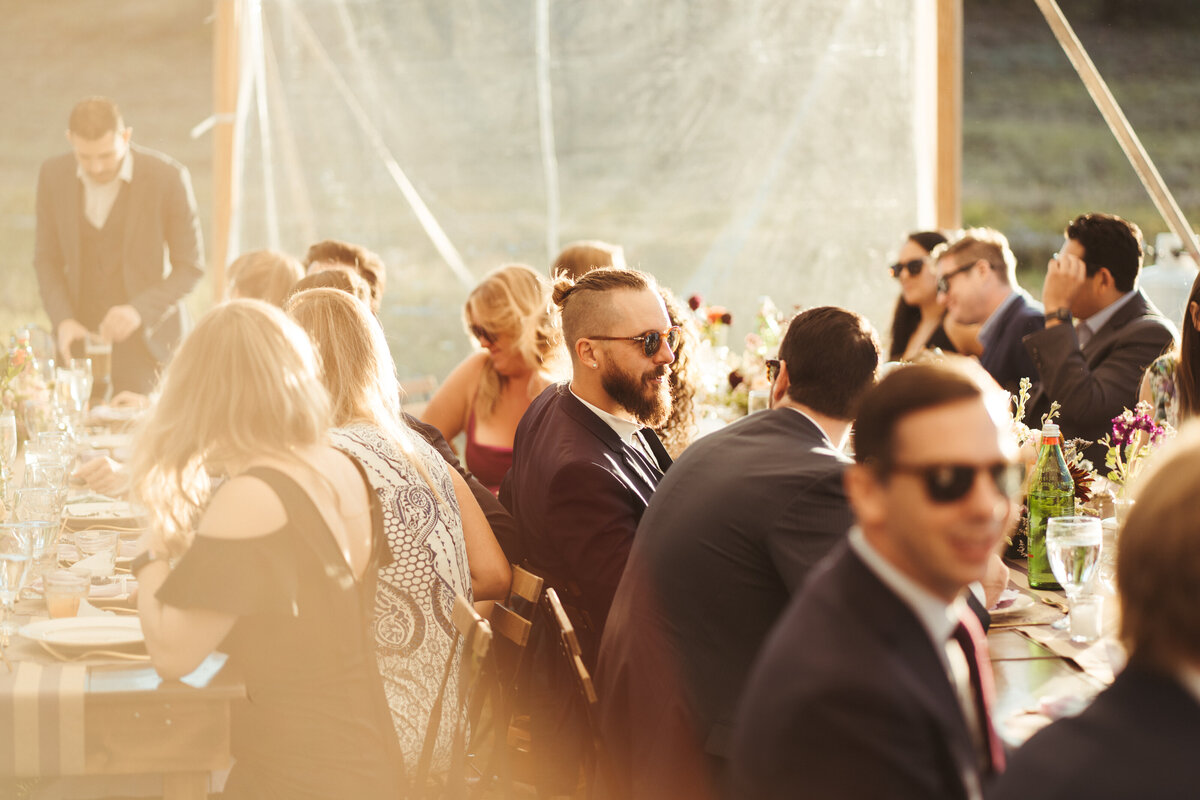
(118, 245)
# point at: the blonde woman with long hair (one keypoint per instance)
(439, 538)
(277, 566)
(508, 314)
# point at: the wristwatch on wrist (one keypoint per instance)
(1060, 314)
(143, 559)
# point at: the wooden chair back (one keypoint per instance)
(583, 683)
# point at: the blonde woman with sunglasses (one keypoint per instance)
(521, 353)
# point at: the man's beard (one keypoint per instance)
(648, 400)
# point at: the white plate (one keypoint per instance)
(1022, 602)
(85, 633)
(112, 509)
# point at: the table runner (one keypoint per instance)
(41, 719)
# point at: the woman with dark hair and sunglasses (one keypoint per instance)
(508, 315)
(919, 322)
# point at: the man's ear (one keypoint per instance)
(865, 491)
(586, 353)
(780, 388)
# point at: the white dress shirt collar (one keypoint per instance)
(623, 427)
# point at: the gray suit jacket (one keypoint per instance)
(1094, 384)
(163, 256)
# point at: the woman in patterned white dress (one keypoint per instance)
(440, 541)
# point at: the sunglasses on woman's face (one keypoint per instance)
(484, 336)
(913, 267)
(650, 340)
(948, 483)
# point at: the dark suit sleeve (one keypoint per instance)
(591, 516)
(808, 529)
(1090, 398)
(1023, 364)
(48, 258)
(181, 234)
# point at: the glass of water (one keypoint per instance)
(16, 551)
(8, 452)
(1073, 545)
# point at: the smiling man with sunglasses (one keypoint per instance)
(876, 682)
(977, 282)
(585, 464)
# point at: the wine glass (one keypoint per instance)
(1073, 547)
(82, 370)
(16, 551)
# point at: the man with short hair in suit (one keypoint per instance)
(876, 681)
(585, 464)
(729, 536)
(117, 245)
(1094, 368)
(977, 277)
(1140, 737)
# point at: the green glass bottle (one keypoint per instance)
(1051, 494)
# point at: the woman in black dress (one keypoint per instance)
(280, 570)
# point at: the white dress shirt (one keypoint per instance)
(99, 198)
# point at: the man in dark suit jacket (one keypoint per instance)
(585, 464)
(876, 682)
(585, 461)
(118, 245)
(1094, 368)
(1141, 736)
(977, 276)
(717, 556)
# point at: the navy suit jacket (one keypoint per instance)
(1140, 737)
(849, 700)
(1004, 356)
(577, 492)
(718, 554)
(1095, 383)
(162, 229)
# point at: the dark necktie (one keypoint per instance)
(970, 637)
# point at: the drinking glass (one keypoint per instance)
(99, 351)
(81, 369)
(45, 468)
(16, 551)
(8, 452)
(40, 504)
(1073, 545)
(43, 536)
(103, 545)
(64, 590)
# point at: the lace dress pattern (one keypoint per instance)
(1162, 388)
(415, 595)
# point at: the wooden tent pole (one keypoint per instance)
(226, 38)
(948, 163)
(1164, 201)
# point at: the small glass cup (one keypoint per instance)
(99, 548)
(1087, 618)
(99, 352)
(758, 400)
(64, 590)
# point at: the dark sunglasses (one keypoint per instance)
(946, 483)
(772, 369)
(484, 336)
(913, 267)
(943, 284)
(651, 340)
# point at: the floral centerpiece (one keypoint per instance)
(728, 377)
(1135, 435)
(21, 386)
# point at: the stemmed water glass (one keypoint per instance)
(16, 551)
(1073, 547)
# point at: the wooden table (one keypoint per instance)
(134, 723)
